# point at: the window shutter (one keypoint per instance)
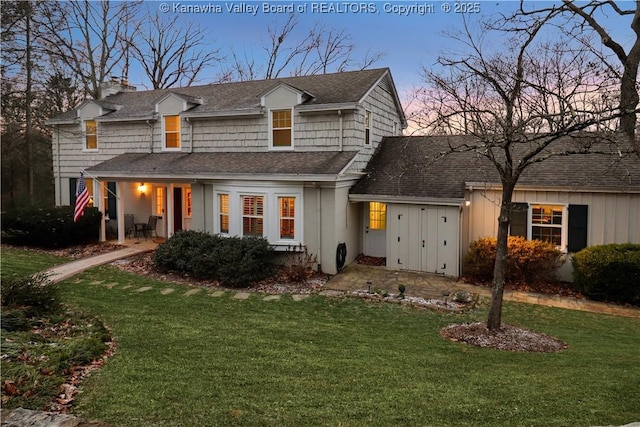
(111, 200)
(519, 216)
(577, 232)
(73, 182)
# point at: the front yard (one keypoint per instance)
(199, 358)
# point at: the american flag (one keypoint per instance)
(82, 198)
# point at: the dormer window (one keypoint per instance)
(171, 132)
(281, 129)
(90, 135)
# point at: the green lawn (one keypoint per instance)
(201, 360)
(18, 262)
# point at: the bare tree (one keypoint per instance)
(581, 19)
(91, 38)
(320, 50)
(523, 105)
(172, 53)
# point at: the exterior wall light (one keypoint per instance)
(142, 188)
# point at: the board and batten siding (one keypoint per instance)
(612, 217)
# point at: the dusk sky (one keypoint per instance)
(409, 33)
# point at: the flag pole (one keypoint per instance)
(106, 187)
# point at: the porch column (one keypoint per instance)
(120, 205)
(98, 188)
(170, 228)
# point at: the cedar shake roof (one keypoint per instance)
(413, 167)
(335, 88)
(205, 165)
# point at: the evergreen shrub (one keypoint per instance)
(608, 273)
(50, 227)
(233, 261)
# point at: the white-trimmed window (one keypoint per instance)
(223, 213)
(377, 215)
(547, 223)
(188, 207)
(90, 135)
(266, 210)
(159, 201)
(287, 213)
(171, 132)
(566, 226)
(253, 216)
(281, 129)
(367, 127)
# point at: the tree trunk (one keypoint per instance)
(28, 131)
(494, 320)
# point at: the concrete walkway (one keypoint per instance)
(363, 277)
(130, 248)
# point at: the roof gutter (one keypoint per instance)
(412, 200)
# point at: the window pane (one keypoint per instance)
(252, 215)
(252, 226)
(159, 201)
(547, 220)
(188, 202)
(172, 140)
(91, 142)
(287, 217)
(282, 138)
(287, 229)
(91, 134)
(367, 127)
(281, 128)
(282, 119)
(546, 214)
(547, 234)
(377, 216)
(172, 123)
(224, 213)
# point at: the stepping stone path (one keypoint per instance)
(191, 292)
(215, 294)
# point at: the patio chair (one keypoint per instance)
(149, 228)
(128, 225)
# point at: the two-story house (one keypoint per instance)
(273, 158)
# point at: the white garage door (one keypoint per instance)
(423, 238)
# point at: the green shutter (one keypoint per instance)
(519, 216)
(578, 225)
(111, 200)
(73, 183)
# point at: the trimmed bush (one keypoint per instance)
(50, 227)
(528, 261)
(233, 261)
(608, 273)
(33, 294)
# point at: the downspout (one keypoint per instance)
(190, 134)
(340, 142)
(150, 136)
(319, 219)
(58, 177)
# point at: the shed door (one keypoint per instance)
(424, 238)
(375, 230)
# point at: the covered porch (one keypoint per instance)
(141, 209)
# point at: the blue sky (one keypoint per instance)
(408, 38)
